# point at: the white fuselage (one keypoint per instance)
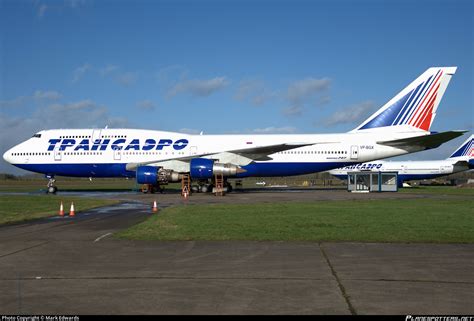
(408, 170)
(106, 152)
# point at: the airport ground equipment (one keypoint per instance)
(219, 185)
(185, 185)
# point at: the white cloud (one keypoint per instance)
(190, 131)
(254, 91)
(46, 95)
(275, 130)
(80, 114)
(38, 95)
(127, 78)
(146, 105)
(42, 10)
(80, 71)
(107, 70)
(302, 90)
(74, 3)
(198, 87)
(56, 6)
(308, 91)
(17, 102)
(352, 114)
(293, 111)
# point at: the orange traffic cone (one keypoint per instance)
(71, 211)
(155, 207)
(61, 209)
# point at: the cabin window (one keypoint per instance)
(37, 135)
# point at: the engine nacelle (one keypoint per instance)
(203, 168)
(147, 175)
(156, 175)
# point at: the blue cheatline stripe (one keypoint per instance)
(417, 104)
(408, 103)
(80, 170)
(119, 170)
(416, 101)
(270, 169)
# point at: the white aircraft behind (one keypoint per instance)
(461, 160)
(399, 127)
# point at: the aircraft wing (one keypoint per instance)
(262, 152)
(426, 142)
(249, 154)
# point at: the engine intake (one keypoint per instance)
(156, 175)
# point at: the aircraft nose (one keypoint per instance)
(7, 156)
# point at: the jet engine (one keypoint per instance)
(156, 175)
(203, 168)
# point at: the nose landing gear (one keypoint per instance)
(51, 188)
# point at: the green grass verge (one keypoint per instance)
(438, 190)
(18, 208)
(68, 185)
(413, 220)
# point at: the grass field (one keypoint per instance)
(18, 208)
(37, 185)
(437, 190)
(408, 220)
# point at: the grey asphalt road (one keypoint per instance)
(76, 266)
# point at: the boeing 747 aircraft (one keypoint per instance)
(399, 127)
(461, 160)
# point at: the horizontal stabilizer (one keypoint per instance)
(425, 142)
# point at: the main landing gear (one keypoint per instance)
(51, 188)
(205, 186)
(152, 189)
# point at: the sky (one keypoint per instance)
(226, 67)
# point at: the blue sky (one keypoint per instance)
(226, 66)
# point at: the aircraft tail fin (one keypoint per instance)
(466, 149)
(415, 106)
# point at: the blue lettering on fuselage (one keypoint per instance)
(52, 144)
(149, 144)
(118, 144)
(67, 143)
(134, 144)
(83, 145)
(364, 166)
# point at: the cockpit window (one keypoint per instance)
(37, 135)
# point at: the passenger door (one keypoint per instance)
(354, 152)
(57, 154)
(117, 154)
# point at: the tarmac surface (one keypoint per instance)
(76, 266)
